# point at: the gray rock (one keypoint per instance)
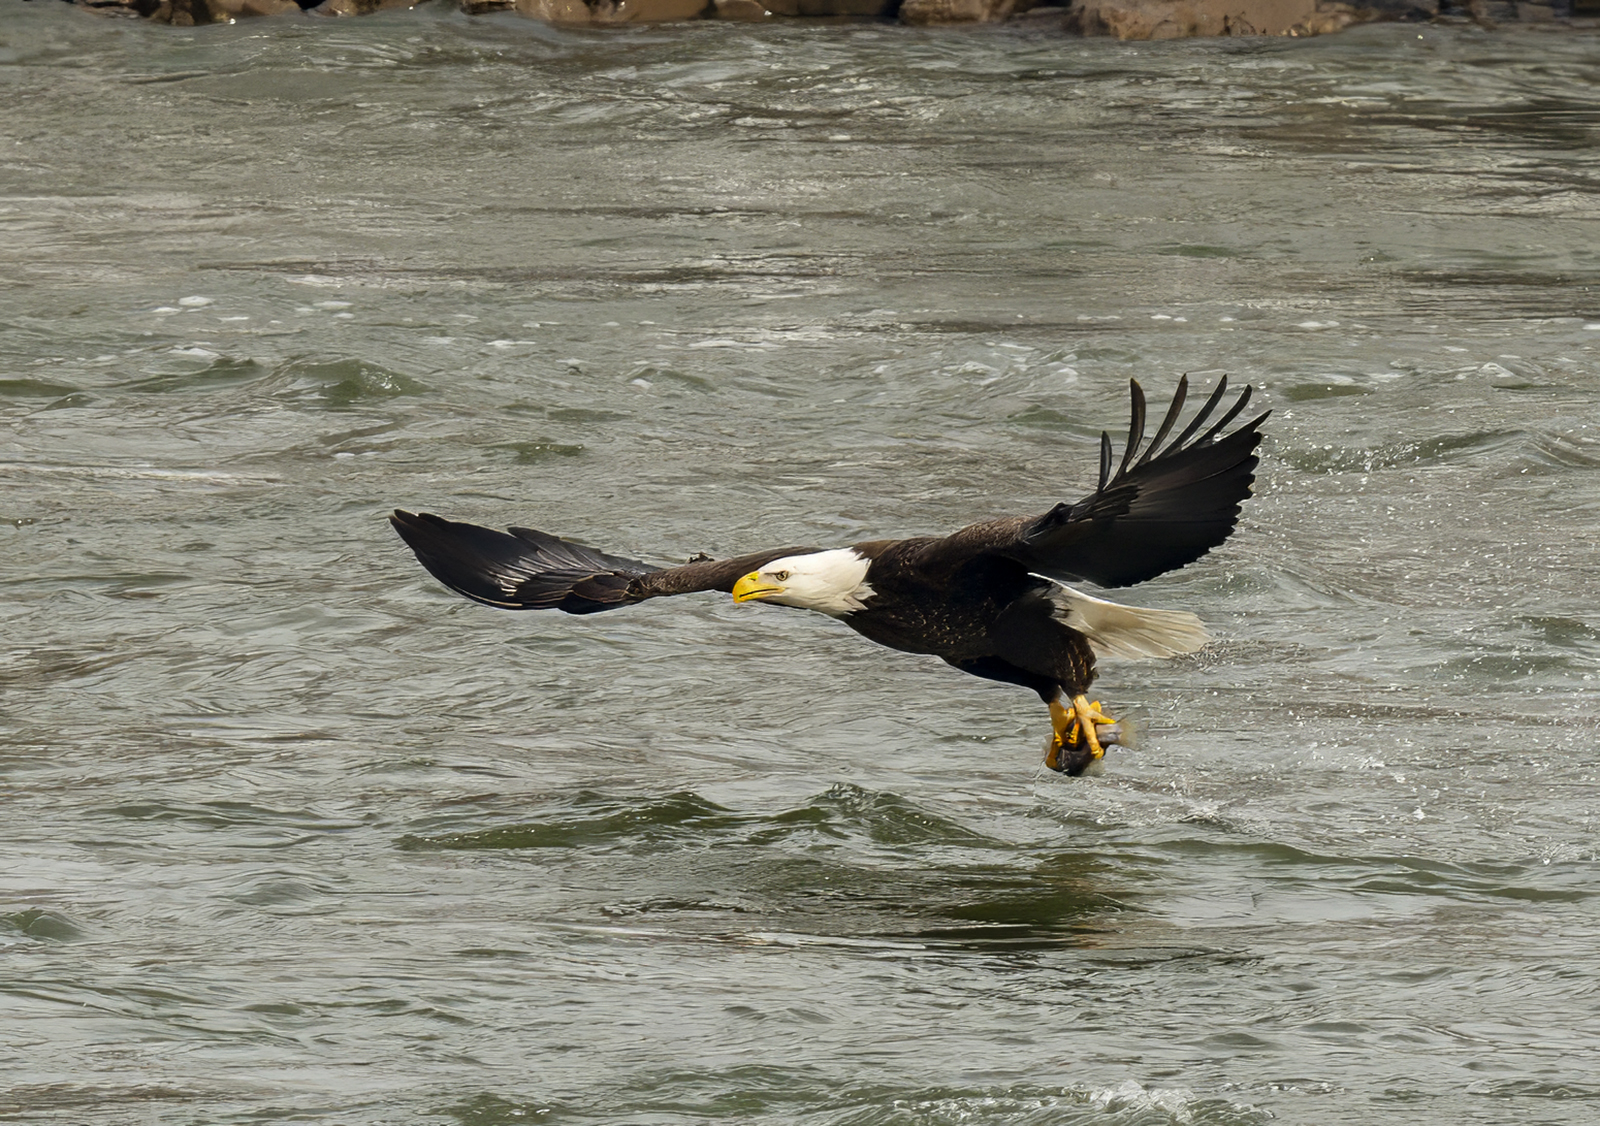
(1124, 19)
(955, 11)
(1178, 19)
(742, 10)
(359, 7)
(814, 8)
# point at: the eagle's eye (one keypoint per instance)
(781, 576)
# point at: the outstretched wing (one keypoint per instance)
(1163, 508)
(523, 569)
(518, 570)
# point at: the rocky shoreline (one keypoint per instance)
(1123, 19)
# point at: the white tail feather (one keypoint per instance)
(1115, 630)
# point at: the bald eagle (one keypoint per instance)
(990, 599)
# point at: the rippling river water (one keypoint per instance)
(292, 834)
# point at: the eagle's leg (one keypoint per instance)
(1075, 744)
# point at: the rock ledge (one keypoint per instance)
(1124, 19)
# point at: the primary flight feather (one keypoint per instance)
(989, 599)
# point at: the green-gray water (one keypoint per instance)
(292, 834)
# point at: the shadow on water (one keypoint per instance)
(862, 868)
(847, 864)
(753, 1092)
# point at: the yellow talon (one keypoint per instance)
(1073, 727)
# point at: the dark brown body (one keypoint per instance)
(987, 616)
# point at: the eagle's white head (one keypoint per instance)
(834, 582)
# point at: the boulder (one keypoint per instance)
(1125, 19)
(602, 12)
(1336, 17)
(120, 7)
(358, 7)
(187, 13)
(741, 10)
(928, 12)
(1177, 19)
(645, 11)
(553, 11)
(222, 10)
(814, 8)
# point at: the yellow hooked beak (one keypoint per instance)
(752, 587)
